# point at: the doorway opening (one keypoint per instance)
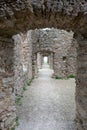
(45, 60)
(51, 98)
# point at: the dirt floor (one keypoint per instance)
(48, 104)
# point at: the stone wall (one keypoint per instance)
(14, 54)
(62, 41)
(51, 60)
(11, 65)
(27, 55)
(7, 97)
(35, 50)
(81, 82)
(21, 15)
(39, 61)
(29, 59)
(71, 60)
(18, 65)
(57, 43)
(22, 60)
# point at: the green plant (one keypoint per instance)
(18, 101)
(21, 95)
(57, 77)
(12, 128)
(29, 82)
(19, 98)
(25, 88)
(17, 121)
(71, 76)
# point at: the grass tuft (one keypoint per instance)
(18, 101)
(29, 82)
(25, 88)
(57, 77)
(71, 76)
(17, 121)
(12, 128)
(19, 98)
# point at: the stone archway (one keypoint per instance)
(38, 60)
(16, 16)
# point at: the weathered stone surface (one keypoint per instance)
(22, 61)
(21, 15)
(12, 75)
(11, 69)
(71, 60)
(6, 83)
(81, 89)
(27, 52)
(56, 44)
(18, 67)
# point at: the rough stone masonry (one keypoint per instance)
(60, 46)
(19, 16)
(22, 64)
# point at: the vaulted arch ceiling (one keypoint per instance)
(22, 15)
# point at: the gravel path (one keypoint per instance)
(48, 104)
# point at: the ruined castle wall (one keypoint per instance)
(29, 58)
(71, 59)
(50, 59)
(57, 43)
(16, 16)
(35, 49)
(18, 66)
(27, 55)
(8, 48)
(39, 61)
(22, 61)
(14, 54)
(62, 43)
(81, 84)
(7, 97)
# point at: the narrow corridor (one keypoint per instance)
(48, 104)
